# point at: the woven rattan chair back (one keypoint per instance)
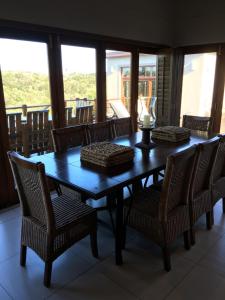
(177, 181)
(122, 126)
(100, 132)
(219, 163)
(206, 153)
(68, 137)
(197, 123)
(32, 189)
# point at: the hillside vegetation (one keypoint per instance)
(33, 88)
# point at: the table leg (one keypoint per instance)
(137, 186)
(119, 227)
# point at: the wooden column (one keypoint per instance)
(100, 83)
(8, 195)
(176, 86)
(134, 87)
(56, 81)
(219, 81)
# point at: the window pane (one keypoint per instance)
(222, 126)
(198, 82)
(118, 67)
(146, 84)
(79, 77)
(24, 67)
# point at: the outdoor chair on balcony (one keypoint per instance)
(163, 216)
(36, 133)
(80, 102)
(49, 226)
(200, 124)
(119, 109)
(69, 116)
(14, 122)
(84, 114)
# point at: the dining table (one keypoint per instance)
(92, 182)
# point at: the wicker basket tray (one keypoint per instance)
(106, 154)
(171, 133)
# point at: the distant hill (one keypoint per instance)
(33, 88)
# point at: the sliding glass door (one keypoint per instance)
(118, 83)
(24, 67)
(198, 84)
(79, 78)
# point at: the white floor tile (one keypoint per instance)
(200, 284)
(93, 286)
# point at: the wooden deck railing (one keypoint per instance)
(30, 131)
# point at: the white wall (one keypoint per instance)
(144, 20)
(198, 22)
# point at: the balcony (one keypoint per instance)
(29, 126)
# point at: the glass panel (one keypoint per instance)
(198, 82)
(79, 77)
(146, 86)
(118, 67)
(24, 67)
(222, 125)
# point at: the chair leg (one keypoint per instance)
(155, 178)
(109, 200)
(94, 244)
(187, 242)
(48, 273)
(212, 217)
(209, 220)
(166, 258)
(23, 255)
(224, 205)
(192, 234)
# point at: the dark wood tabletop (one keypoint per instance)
(66, 168)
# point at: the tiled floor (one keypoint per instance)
(196, 274)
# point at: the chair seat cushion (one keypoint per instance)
(144, 216)
(68, 211)
(146, 202)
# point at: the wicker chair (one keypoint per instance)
(74, 136)
(49, 227)
(64, 139)
(123, 126)
(218, 174)
(200, 192)
(100, 132)
(163, 216)
(201, 124)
